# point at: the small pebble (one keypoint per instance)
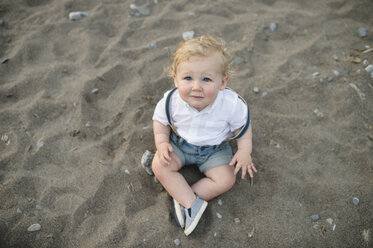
(251, 233)
(315, 74)
(147, 220)
(355, 200)
(95, 91)
(314, 217)
(133, 6)
(5, 61)
(273, 26)
(40, 143)
(152, 46)
(334, 215)
(19, 211)
(330, 79)
(127, 172)
(219, 215)
(329, 220)
(34, 227)
(334, 227)
(74, 16)
(5, 138)
(365, 62)
(264, 93)
(177, 242)
(188, 35)
(336, 73)
(367, 46)
(39, 208)
(362, 32)
(143, 9)
(220, 202)
(237, 220)
(318, 113)
(238, 60)
(369, 68)
(315, 226)
(256, 90)
(88, 124)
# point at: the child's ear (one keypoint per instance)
(224, 83)
(175, 81)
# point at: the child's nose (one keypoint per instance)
(196, 85)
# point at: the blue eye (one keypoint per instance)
(188, 78)
(206, 79)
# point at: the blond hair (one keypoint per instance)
(201, 46)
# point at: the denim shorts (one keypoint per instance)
(205, 157)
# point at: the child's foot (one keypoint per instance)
(193, 215)
(179, 214)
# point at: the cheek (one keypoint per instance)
(183, 91)
(211, 92)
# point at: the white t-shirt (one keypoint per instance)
(212, 125)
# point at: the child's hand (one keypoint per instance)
(164, 151)
(244, 162)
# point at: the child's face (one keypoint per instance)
(199, 80)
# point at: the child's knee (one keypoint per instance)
(229, 181)
(224, 181)
(156, 166)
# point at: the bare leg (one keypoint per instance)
(173, 181)
(217, 181)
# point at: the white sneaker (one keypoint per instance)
(193, 215)
(179, 214)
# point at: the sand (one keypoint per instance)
(70, 158)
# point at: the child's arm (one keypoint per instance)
(162, 142)
(243, 154)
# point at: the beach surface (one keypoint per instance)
(76, 105)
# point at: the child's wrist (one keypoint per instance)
(246, 149)
(161, 143)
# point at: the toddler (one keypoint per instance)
(192, 125)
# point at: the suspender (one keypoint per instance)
(239, 135)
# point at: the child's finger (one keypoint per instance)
(238, 166)
(251, 173)
(233, 161)
(166, 155)
(165, 162)
(251, 170)
(243, 174)
(253, 167)
(170, 149)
